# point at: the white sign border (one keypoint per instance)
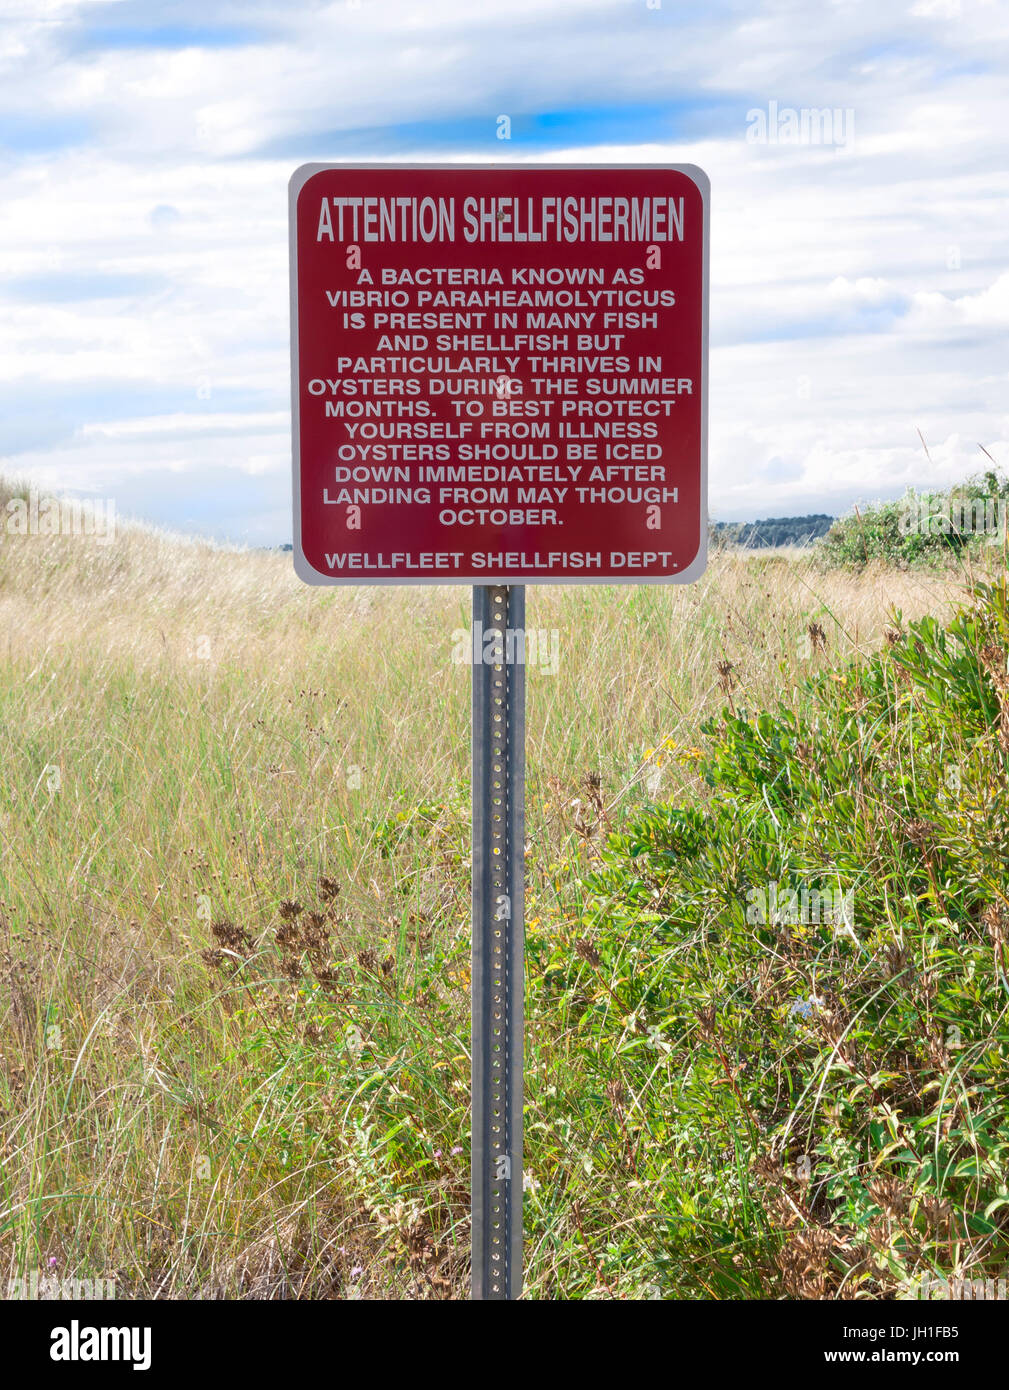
(306, 571)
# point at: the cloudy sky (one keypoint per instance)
(860, 288)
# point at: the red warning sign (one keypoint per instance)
(499, 373)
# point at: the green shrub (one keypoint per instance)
(921, 528)
(821, 954)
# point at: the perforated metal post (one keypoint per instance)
(497, 975)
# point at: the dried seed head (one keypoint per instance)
(889, 1195)
(919, 833)
(896, 959)
(768, 1167)
(726, 680)
(286, 935)
(706, 1020)
(804, 752)
(804, 1261)
(994, 657)
(938, 1052)
(232, 937)
(937, 1213)
(328, 977)
(587, 951)
(994, 917)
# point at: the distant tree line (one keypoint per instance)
(774, 531)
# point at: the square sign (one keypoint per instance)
(499, 373)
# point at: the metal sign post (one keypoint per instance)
(498, 926)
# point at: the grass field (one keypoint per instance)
(234, 919)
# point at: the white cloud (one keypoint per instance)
(857, 295)
(275, 422)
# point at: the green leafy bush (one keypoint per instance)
(820, 953)
(921, 528)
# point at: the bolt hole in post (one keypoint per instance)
(497, 975)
